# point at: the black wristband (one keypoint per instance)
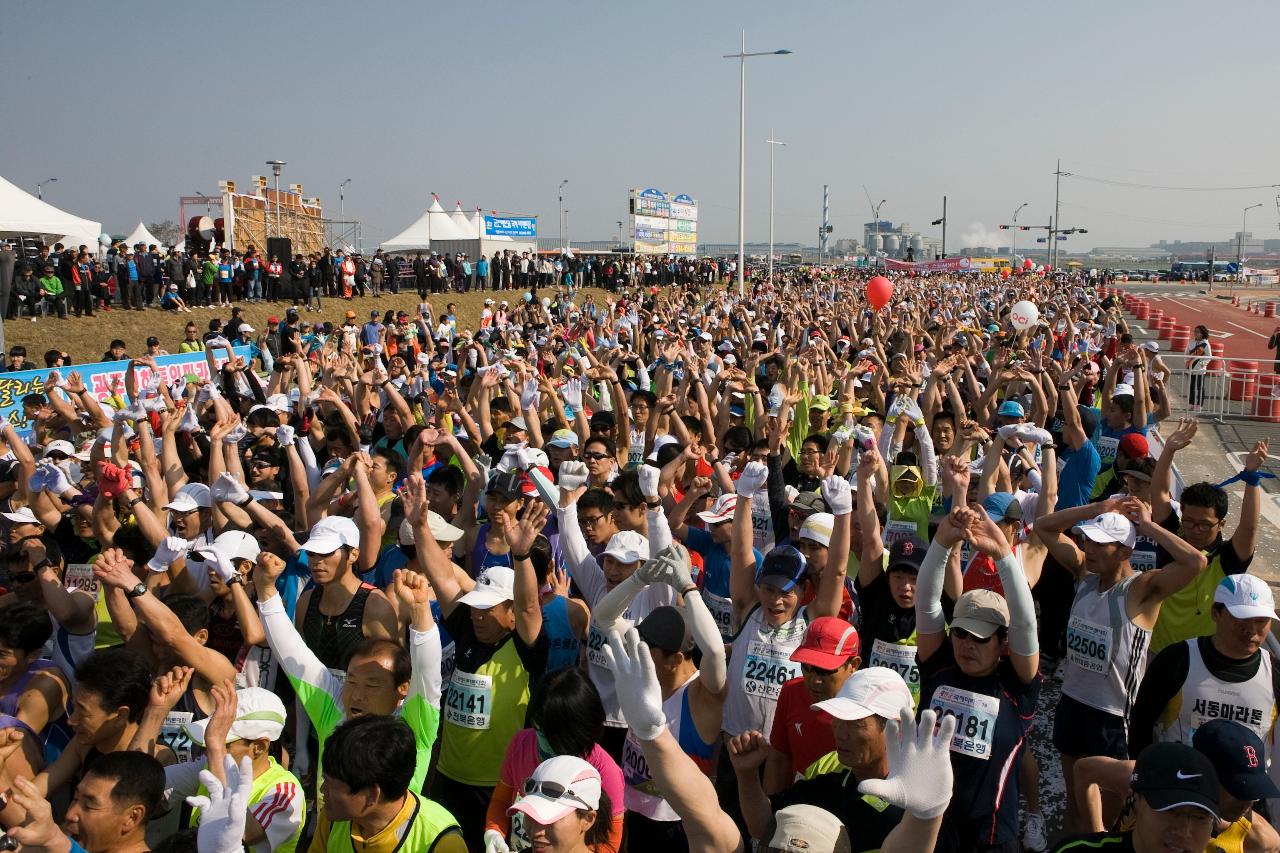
(517, 557)
(135, 502)
(244, 503)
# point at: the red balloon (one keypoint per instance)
(1048, 268)
(1004, 272)
(879, 292)
(1027, 263)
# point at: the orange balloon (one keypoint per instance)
(879, 292)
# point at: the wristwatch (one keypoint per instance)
(137, 592)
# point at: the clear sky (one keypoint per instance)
(135, 102)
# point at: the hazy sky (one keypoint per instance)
(135, 102)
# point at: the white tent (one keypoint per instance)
(466, 226)
(142, 235)
(22, 214)
(434, 224)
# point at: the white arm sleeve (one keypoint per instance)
(659, 531)
(296, 657)
(583, 568)
(929, 617)
(1023, 638)
(928, 458)
(424, 651)
(308, 462)
(706, 634)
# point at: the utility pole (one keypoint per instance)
(826, 225)
(1057, 216)
(773, 146)
(943, 223)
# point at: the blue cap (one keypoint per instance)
(1237, 754)
(1002, 506)
(1011, 409)
(737, 411)
(783, 567)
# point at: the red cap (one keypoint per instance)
(1134, 445)
(273, 319)
(828, 644)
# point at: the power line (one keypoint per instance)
(1140, 186)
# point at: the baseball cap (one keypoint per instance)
(875, 690)
(1151, 346)
(563, 438)
(559, 786)
(1170, 775)
(259, 714)
(784, 567)
(329, 534)
(1011, 409)
(1134, 445)
(906, 554)
(351, 315)
(22, 515)
(1109, 527)
(1088, 418)
(191, 496)
(494, 586)
(821, 402)
(1122, 389)
(808, 503)
(237, 545)
(1238, 756)
(278, 402)
(1002, 506)
(664, 628)
(1246, 597)
(626, 546)
(60, 446)
(980, 612)
(803, 828)
(817, 528)
(508, 484)
(722, 510)
(658, 443)
(441, 530)
(828, 643)
(517, 423)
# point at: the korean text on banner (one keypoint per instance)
(510, 226)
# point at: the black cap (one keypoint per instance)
(1171, 775)
(808, 503)
(907, 554)
(509, 484)
(664, 628)
(1239, 757)
(1088, 419)
(603, 420)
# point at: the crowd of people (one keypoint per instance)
(669, 570)
(62, 279)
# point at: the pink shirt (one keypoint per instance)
(522, 759)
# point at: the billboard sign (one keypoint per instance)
(663, 223)
(511, 226)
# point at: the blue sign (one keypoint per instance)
(652, 193)
(511, 226)
(682, 199)
(102, 379)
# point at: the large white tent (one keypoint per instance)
(22, 214)
(143, 236)
(433, 225)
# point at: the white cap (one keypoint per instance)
(441, 530)
(627, 546)
(875, 690)
(704, 336)
(495, 585)
(817, 528)
(60, 446)
(329, 534)
(1110, 527)
(1151, 346)
(191, 496)
(1246, 597)
(721, 510)
(237, 545)
(278, 402)
(245, 327)
(803, 828)
(1122, 390)
(22, 515)
(578, 780)
(661, 442)
(259, 714)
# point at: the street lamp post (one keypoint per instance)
(40, 187)
(342, 217)
(875, 225)
(619, 235)
(1244, 221)
(561, 194)
(773, 146)
(943, 223)
(1013, 250)
(276, 165)
(742, 56)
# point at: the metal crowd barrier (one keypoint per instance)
(1227, 388)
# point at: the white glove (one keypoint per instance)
(898, 406)
(919, 779)
(912, 408)
(154, 404)
(153, 384)
(571, 391)
(169, 549)
(838, 495)
(207, 392)
(121, 416)
(523, 461)
(494, 842)
(212, 558)
(223, 811)
(190, 421)
(237, 434)
(669, 566)
(219, 342)
(573, 475)
(751, 482)
(227, 489)
(56, 480)
(284, 435)
(529, 397)
(648, 477)
(842, 435)
(639, 694)
(1009, 431)
(1035, 434)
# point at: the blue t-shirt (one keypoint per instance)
(715, 560)
(1077, 469)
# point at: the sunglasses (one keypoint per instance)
(595, 455)
(554, 790)
(810, 669)
(962, 634)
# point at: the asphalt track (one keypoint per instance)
(1244, 335)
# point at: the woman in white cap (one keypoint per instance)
(1109, 629)
(564, 807)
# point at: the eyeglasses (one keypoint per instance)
(1204, 526)
(589, 520)
(962, 634)
(554, 790)
(595, 455)
(808, 451)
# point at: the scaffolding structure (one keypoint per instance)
(254, 218)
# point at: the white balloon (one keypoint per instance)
(1024, 315)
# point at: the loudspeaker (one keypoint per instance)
(280, 248)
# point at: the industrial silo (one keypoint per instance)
(891, 243)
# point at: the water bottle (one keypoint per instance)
(776, 397)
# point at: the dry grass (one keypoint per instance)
(87, 338)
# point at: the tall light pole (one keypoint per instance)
(875, 224)
(773, 146)
(341, 212)
(1240, 243)
(40, 187)
(619, 235)
(566, 230)
(742, 56)
(561, 193)
(276, 165)
(1013, 250)
(943, 223)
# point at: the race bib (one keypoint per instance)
(595, 644)
(722, 611)
(1107, 449)
(470, 700)
(1142, 561)
(1088, 645)
(635, 770)
(447, 656)
(897, 530)
(900, 659)
(766, 669)
(80, 576)
(173, 734)
(975, 715)
(761, 526)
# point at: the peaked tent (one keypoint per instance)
(434, 224)
(466, 226)
(142, 235)
(22, 214)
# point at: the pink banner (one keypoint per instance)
(945, 265)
